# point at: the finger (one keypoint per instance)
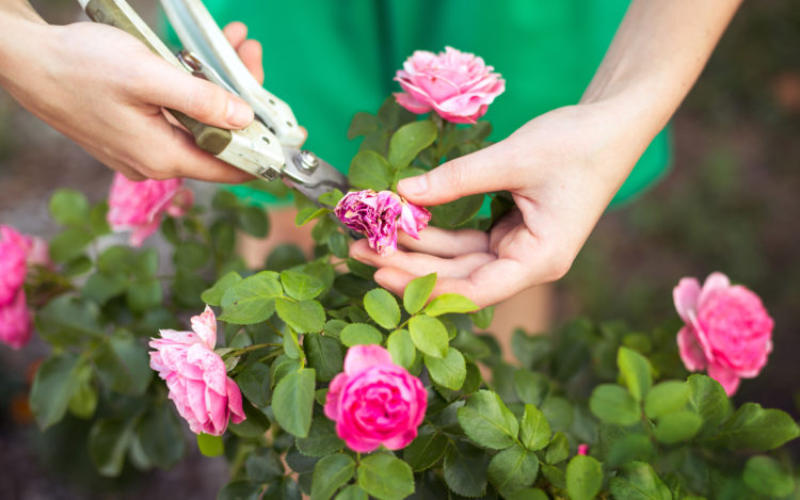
(484, 171)
(172, 88)
(419, 263)
(443, 243)
(251, 54)
(236, 33)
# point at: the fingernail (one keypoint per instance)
(239, 113)
(413, 185)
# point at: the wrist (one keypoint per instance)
(22, 31)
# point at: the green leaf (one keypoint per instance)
(210, 446)
(530, 387)
(291, 345)
(352, 492)
(558, 450)
(752, 427)
(450, 371)
(513, 468)
(123, 364)
(69, 244)
(534, 428)
(264, 466)
(635, 371)
(101, 287)
(251, 300)
(97, 219)
(321, 440)
(630, 447)
(305, 316)
(77, 266)
(240, 490)
(450, 303)
(69, 321)
(285, 256)
(666, 397)
(677, 426)
(527, 494)
(339, 244)
(53, 386)
(402, 348)
(382, 308)
(456, 213)
(584, 477)
(160, 436)
(253, 221)
(108, 443)
(254, 382)
(709, 400)
(330, 473)
(293, 402)
(465, 470)
(425, 451)
(191, 255)
(385, 477)
(362, 124)
(324, 355)
(369, 170)
(614, 405)
(83, 402)
(766, 476)
(144, 295)
(638, 481)
(213, 296)
(429, 336)
(360, 334)
(69, 207)
(409, 141)
(417, 292)
(301, 286)
(255, 424)
(486, 420)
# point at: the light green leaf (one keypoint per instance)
(584, 477)
(213, 295)
(513, 468)
(251, 300)
(385, 477)
(677, 426)
(666, 397)
(360, 334)
(635, 371)
(429, 335)
(766, 476)
(69, 207)
(614, 405)
(330, 473)
(331, 198)
(558, 450)
(486, 420)
(534, 428)
(352, 492)
(210, 446)
(301, 286)
(401, 348)
(293, 402)
(417, 292)
(453, 214)
(409, 140)
(530, 387)
(291, 345)
(450, 303)
(369, 170)
(709, 400)
(450, 371)
(84, 398)
(382, 308)
(305, 317)
(69, 244)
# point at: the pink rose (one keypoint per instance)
(374, 401)
(14, 248)
(196, 378)
(140, 206)
(39, 253)
(583, 449)
(15, 322)
(457, 85)
(728, 331)
(378, 216)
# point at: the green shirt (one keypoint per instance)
(331, 58)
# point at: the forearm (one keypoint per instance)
(20, 28)
(657, 54)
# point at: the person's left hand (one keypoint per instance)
(562, 170)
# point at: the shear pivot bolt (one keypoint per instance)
(306, 161)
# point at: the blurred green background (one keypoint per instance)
(730, 203)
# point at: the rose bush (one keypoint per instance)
(348, 391)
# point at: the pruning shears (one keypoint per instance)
(269, 147)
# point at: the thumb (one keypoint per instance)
(172, 88)
(483, 171)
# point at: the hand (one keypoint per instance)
(562, 169)
(105, 90)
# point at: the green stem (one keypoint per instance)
(254, 347)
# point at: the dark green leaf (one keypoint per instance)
(255, 424)
(254, 382)
(330, 473)
(324, 355)
(709, 400)
(293, 402)
(766, 476)
(160, 435)
(417, 292)
(53, 386)
(108, 443)
(456, 213)
(213, 296)
(752, 427)
(486, 420)
(69, 244)
(513, 468)
(425, 451)
(69, 321)
(253, 221)
(382, 308)
(558, 450)
(638, 481)
(635, 371)
(144, 295)
(370, 170)
(407, 142)
(97, 219)
(123, 364)
(429, 335)
(83, 402)
(191, 255)
(284, 257)
(240, 490)
(614, 405)
(534, 428)
(101, 287)
(385, 477)
(630, 447)
(584, 477)
(264, 466)
(450, 371)
(465, 470)
(530, 387)
(362, 124)
(305, 316)
(321, 440)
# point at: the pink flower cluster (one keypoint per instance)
(196, 378)
(375, 402)
(140, 206)
(728, 332)
(379, 215)
(17, 252)
(459, 86)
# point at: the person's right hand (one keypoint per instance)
(105, 90)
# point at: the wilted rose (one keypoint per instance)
(140, 206)
(378, 215)
(375, 402)
(459, 86)
(728, 332)
(196, 378)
